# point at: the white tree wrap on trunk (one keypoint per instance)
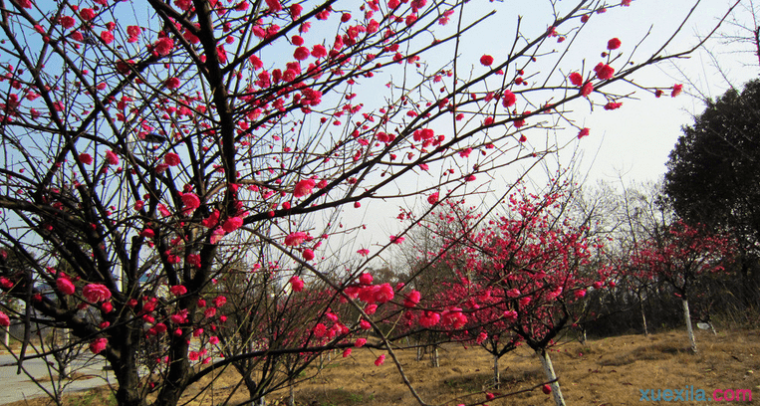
(546, 363)
(689, 329)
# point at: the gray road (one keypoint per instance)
(15, 387)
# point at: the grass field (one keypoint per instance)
(609, 371)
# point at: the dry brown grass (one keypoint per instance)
(74, 376)
(603, 372)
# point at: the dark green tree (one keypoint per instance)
(713, 175)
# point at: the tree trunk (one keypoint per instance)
(176, 377)
(128, 393)
(496, 377)
(253, 391)
(583, 336)
(546, 363)
(292, 397)
(434, 357)
(7, 336)
(420, 353)
(62, 357)
(689, 329)
(643, 315)
(62, 362)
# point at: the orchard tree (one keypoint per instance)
(255, 309)
(447, 238)
(539, 263)
(681, 255)
(437, 256)
(525, 271)
(146, 143)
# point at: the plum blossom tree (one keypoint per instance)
(535, 269)
(680, 255)
(267, 311)
(148, 151)
(522, 275)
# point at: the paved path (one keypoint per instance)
(15, 387)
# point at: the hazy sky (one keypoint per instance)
(637, 139)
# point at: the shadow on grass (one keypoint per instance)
(654, 352)
(333, 397)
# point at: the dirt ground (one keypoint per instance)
(609, 371)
